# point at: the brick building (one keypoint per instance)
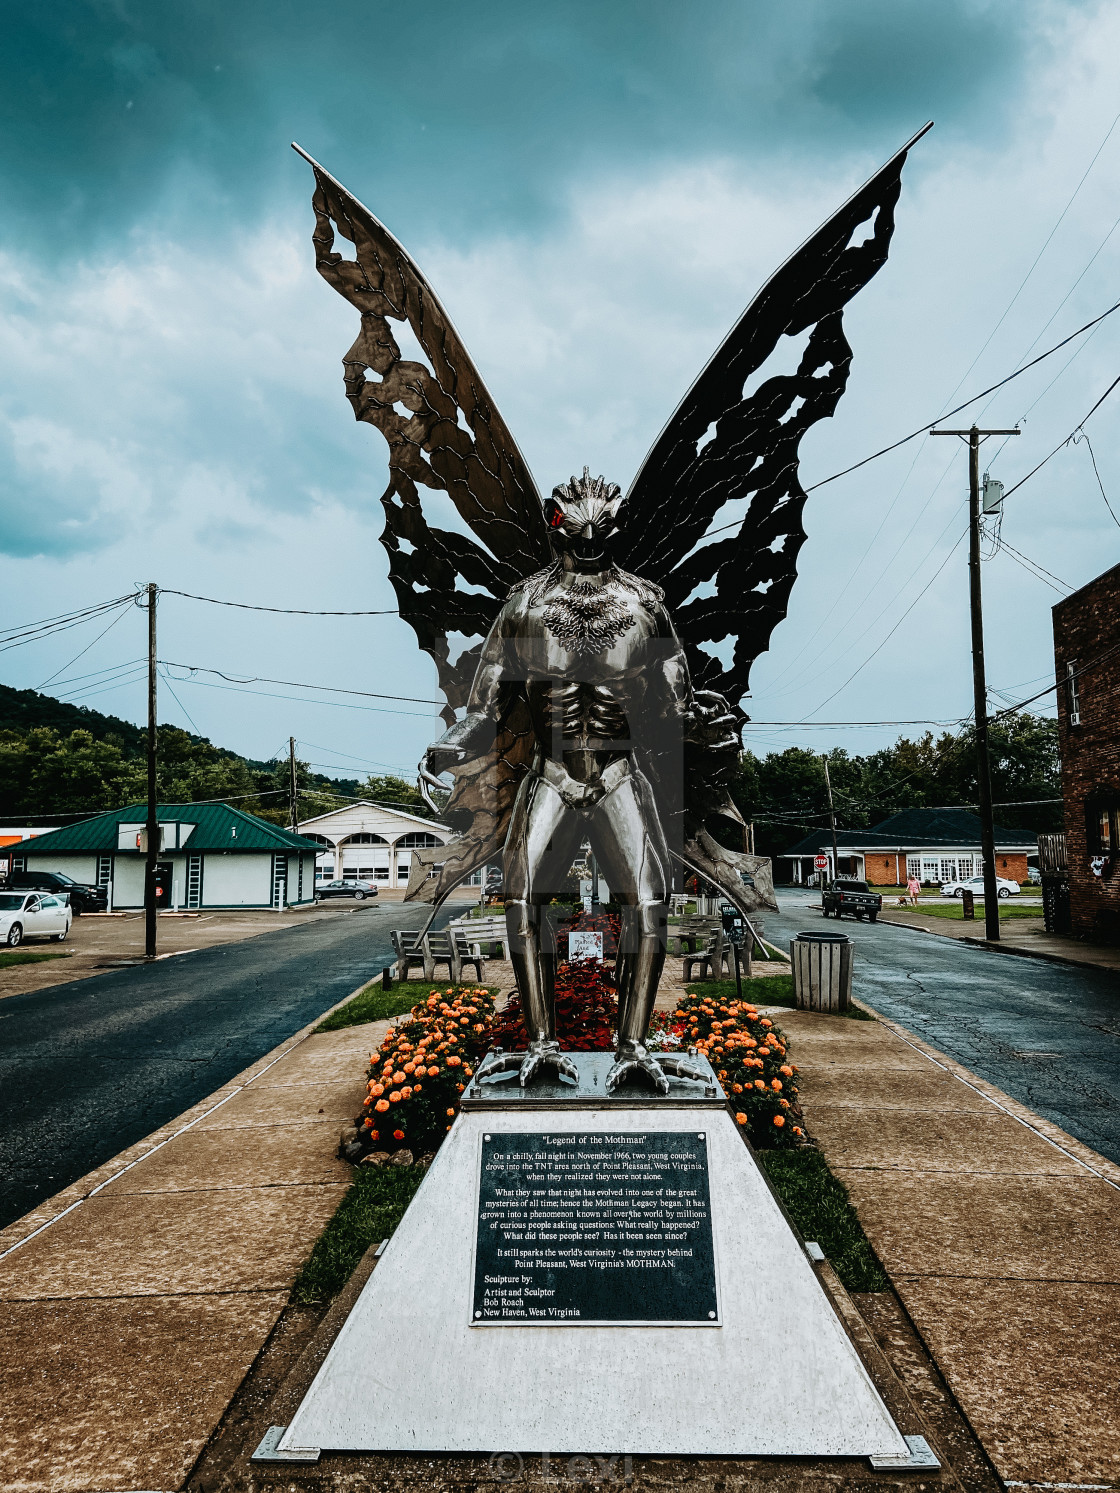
(936, 845)
(1087, 667)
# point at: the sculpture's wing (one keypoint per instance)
(727, 460)
(444, 434)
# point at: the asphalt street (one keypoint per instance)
(90, 1067)
(1048, 1034)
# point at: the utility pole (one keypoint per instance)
(293, 784)
(152, 822)
(979, 682)
(832, 821)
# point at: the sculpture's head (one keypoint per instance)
(582, 516)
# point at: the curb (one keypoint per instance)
(72, 1197)
(1002, 948)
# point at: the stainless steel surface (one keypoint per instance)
(551, 1092)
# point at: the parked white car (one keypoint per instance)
(33, 915)
(975, 885)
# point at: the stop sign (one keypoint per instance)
(821, 862)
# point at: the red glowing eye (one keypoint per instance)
(557, 518)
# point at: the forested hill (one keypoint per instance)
(61, 759)
(21, 709)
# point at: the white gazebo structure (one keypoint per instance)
(371, 841)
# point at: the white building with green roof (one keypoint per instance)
(211, 856)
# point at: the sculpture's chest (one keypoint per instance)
(589, 621)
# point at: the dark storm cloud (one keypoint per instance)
(473, 116)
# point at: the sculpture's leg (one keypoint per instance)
(627, 838)
(544, 834)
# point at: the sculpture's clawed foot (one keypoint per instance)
(633, 1057)
(546, 1054)
(527, 1065)
(683, 1067)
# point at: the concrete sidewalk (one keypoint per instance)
(133, 1303)
(1000, 1232)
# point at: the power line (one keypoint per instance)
(295, 699)
(119, 617)
(32, 632)
(287, 611)
(1066, 442)
(1083, 435)
(298, 684)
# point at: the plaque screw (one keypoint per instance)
(692, 1052)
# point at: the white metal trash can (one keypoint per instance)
(822, 971)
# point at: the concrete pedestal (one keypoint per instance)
(778, 1375)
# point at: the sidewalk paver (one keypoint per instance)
(1000, 1233)
(128, 1323)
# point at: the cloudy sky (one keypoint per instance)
(596, 188)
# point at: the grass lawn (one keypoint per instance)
(368, 1213)
(766, 990)
(949, 907)
(30, 956)
(818, 1204)
(377, 1004)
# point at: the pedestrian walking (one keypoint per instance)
(913, 887)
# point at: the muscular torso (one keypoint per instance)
(597, 661)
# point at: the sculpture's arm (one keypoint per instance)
(474, 735)
(705, 716)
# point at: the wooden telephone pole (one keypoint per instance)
(832, 822)
(293, 784)
(152, 822)
(979, 683)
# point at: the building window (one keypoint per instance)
(1073, 694)
(1102, 830)
(324, 872)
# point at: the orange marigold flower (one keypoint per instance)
(381, 1106)
(797, 1130)
(453, 1061)
(398, 1135)
(776, 1084)
(451, 1113)
(372, 1133)
(410, 1067)
(395, 1096)
(737, 1088)
(786, 1069)
(460, 1087)
(406, 1092)
(740, 1119)
(766, 1021)
(779, 1120)
(784, 1103)
(764, 1052)
(433, 1071)
(377, 1090)
(369, 1124)
(398, 1078)
(758, 1083)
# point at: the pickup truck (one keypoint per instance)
(851, 896)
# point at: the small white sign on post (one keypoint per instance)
(583, 945)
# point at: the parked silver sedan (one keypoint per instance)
(33, 915)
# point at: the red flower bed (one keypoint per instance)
(586, 1011)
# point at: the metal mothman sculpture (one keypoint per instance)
(591, 708)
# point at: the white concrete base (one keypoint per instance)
(780, 1377)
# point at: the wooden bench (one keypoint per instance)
(410, 949)
(451, 948)
(478, 931)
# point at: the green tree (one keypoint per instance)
(387, 788)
